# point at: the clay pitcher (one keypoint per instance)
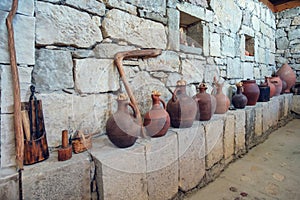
(251, 91)
(271, 85)
(222, 100)
(206, 104)
(264, 93)
(275, 79)
(239, 100)
(181, 108)
(287, 74)
(122, 128)
(157, 120)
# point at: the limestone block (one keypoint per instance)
(296, 104)
(248, 70)
(224, 10)
(24, 38)
(266, 116)
(228, 46)
(193, 70)
(202, 3)
(211, 72)
(8, 152)
(138, 31)
(120, 173)
(193, 10)
(191, 144)
(258, 124)
(95, 75)
(215, 44)
(172, 79)
(53, 70)
(6, 95)
(214, 140)
(293, 34)
(162, 166)
(153, 16)
(287, 104)
(206, 40)
(24, 7)
(296, 21)
(228, 139)
(250, 127)
(282, 43)
(240, 132)
(151, 6)
(91, 6)
(108, 50)
(234, 69)
(9, 184)
(173, 28)
(52, 179)
(284, 23)
(274, 110)
(168, 61)
(56, 24)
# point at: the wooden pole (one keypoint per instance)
(16, 87)
(118, 62)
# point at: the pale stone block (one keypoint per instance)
(122, 5)
(153, 16)
(53, 26)
(211, 72)
(193, 70)
(24, 7)
(274, 110)
(239, 135)
(108, 50)
(95, 75)
(248, 70)
(94, 7)
(6, 95)
(288, 104)
(9, 184)
(191, 144)
(162, 166)
(234, 69)
(249, 127)
(56, 180)
(173, 27)
(193, 10)
(138, 31)
(258, 120)
(228, 46)
(120, 173)
(214, 140)
(206, 40)
(296, 104)
(24, 36)
(228, 139)
(266, 116)
(158, 7)
(215, 44)
(8, 151)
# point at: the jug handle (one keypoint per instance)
(163, 103)
(174, 96)
(133, 108)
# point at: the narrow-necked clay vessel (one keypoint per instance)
(222, 100)
(271, 85)
(239, 100)
(275, 79)
(287, 74)
(181, 107)
(157, 120)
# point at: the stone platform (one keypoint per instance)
(157, 168)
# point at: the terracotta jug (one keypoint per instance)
(278, 84)
(122, 128)
(239, 100)
(287, 74)
(264, 93)
(222, 100)
(251, 91)
(271, 85)
(157, 120)
(206, 104)
(181, 108)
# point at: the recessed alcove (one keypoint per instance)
(249, 45)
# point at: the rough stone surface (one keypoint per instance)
(191, 144)
(22, 29)
(258, 120)
(228, 46)
(141, 32)
(215, 44)
(8, 151)
(173, 28)
(53, 70)
(122, 5)
(296, 104)
(65, 26)
(250, 127)
(224, 10)
(154, 6)
(214, 140)
(108, 50)
(52, 179)
(162, 170)
(282, 43)
(234, 69)
(120, 173)
(293, 34)
(9, 184)
(248, 70)
(95, 75)
(193, 10)
(24, 7)
(91, 6)
(228, 138)
(240, 132)
(193, 70)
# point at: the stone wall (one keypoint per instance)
(66, 49)
(288, 39)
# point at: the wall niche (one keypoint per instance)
(249, 45)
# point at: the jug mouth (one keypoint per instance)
(122, 97)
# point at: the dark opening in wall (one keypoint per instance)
(191, 32)
(249, 45)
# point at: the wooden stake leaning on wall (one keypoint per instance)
(16, 86)
(119, 57)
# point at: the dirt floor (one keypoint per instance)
(270, 170)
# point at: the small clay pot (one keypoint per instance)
(157, 120)
(181, 107)
(251, 91)
(239, 100)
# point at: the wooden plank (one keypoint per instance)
(288, 5)
(269, 4)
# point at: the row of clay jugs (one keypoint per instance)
(239, 100)
(251, 91)
(122, 128)
(181, 107)
(288, 77)
(275, 79)
(222, 100)
(157, 120)
(206, 103)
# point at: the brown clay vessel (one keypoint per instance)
(275, 79)
(239, 100)
(251, 91)
(287, 74)
(222, 100)
(271, 85)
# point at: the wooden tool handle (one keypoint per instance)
(65, 139)
(26, 125)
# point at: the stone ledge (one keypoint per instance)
(9, 184)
